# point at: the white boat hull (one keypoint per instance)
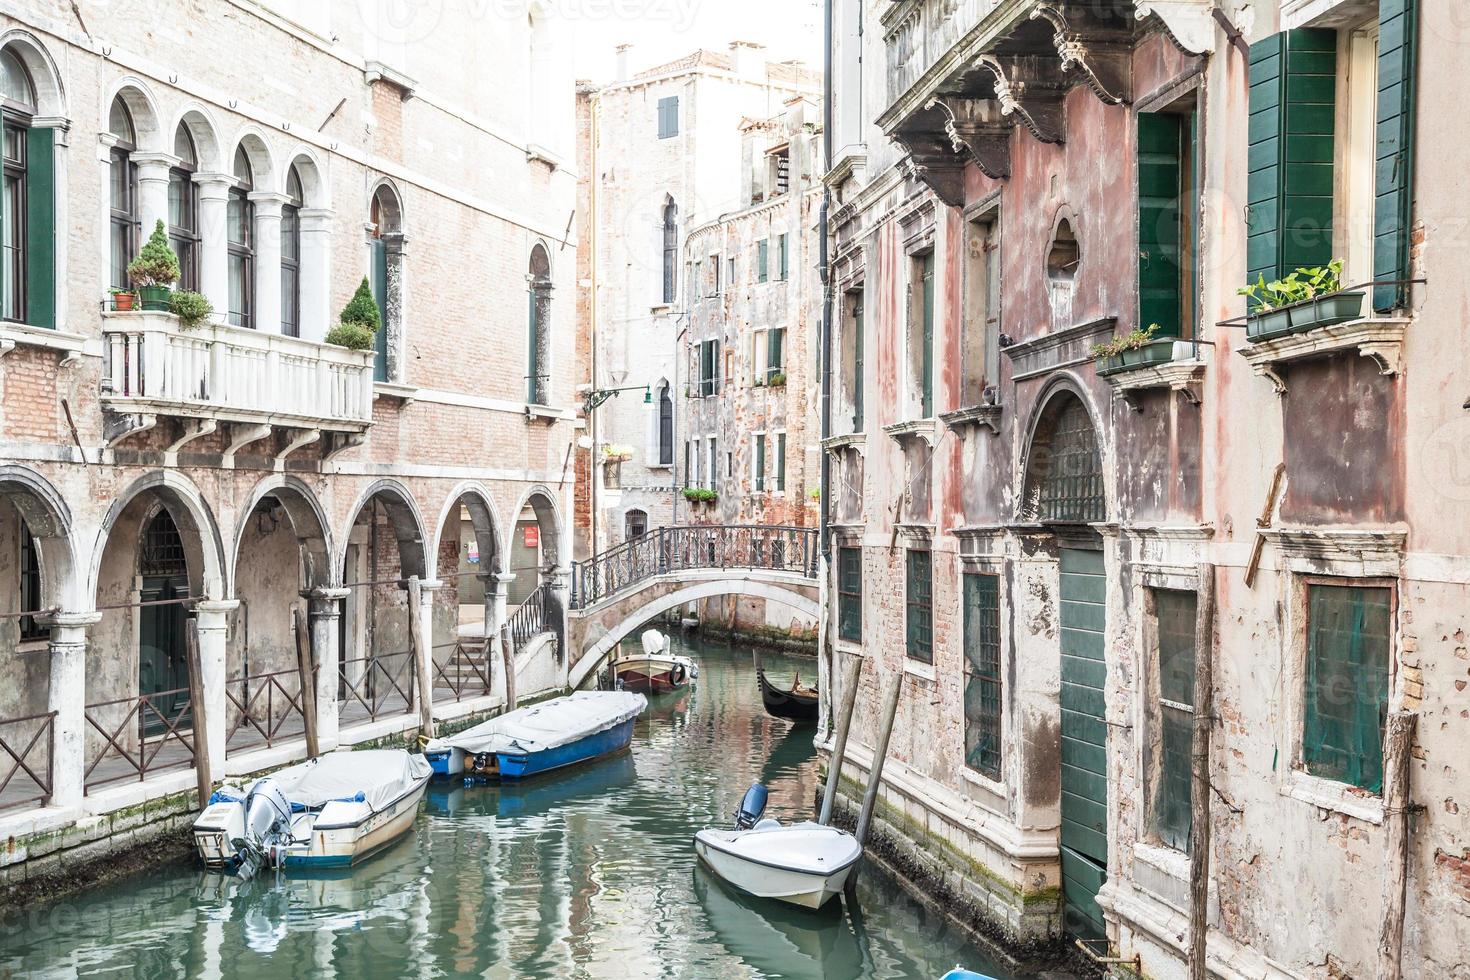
(808, 889)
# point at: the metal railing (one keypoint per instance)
(529, 619)
(778, 548)
(37, 771)
(462, 674)
(148, 755)
(265, 704)
(379, 687)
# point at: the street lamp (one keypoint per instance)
(597, 396)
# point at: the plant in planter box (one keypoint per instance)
(1306, 298)
(613, 453)
(700, 495)
(1136, 348)
(123, 300)
(778, 380)
(155, 270)
(190, 307)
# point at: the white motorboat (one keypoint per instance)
(658, 670)
(804, 864)
(329, 812)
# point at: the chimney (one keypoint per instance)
(745, 59)
(622, 52)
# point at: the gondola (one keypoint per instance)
(797, 703)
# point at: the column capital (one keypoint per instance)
(214, 184)
(154, 165)
(326, 592)
(72, 620)
(216, 607)
(268, 204)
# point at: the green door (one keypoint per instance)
(1084, 741)
(163, 666)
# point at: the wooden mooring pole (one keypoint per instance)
(422, 656)
(1199, 793)
(1397, 741)
(203, 762)
(307, 669)
(851, 674)
(875, 773)
(508, 657)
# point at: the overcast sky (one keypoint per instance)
(663, 30)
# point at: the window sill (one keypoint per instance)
(984, 783)
(919, 669)
(1325, 794)
(33, 646)
(856, 441)
(390, 389)
(1163, 859)
(975, 416)
(546, 413)
(854, 647)
(1381, 338)
(13, 335)
(925, 429)
(660, 466)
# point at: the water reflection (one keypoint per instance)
(590, 874)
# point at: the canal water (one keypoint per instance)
(591, 874)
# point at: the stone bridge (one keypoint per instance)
(615, 593)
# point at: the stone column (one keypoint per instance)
(324, 611)
(396, 303)
(68, 698)
(267, 260)
(424, 664)
(152, 171)
(494, 626)
(214, 261)
(212, 616)
(316, 272)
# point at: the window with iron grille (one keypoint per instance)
(163, 549)
(780, 462)
(1169, 775)
(850, 594)
(783, 260)
(919, 597)
(982, 674)
(760, 462)
(1065, 469)
(709, 367)
(30, 586)
(1347, 682)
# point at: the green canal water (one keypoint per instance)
(591, 874)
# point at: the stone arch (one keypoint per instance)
(143, 107)
(203, 545)
(483, 515)
(49, 522)
(385, 207)
(316, 188)
(548, 516)
(204, 131)
(262, 161)
(50, 93)
(406, 520)
(307, 520)
(592, 658)
(1063, 477)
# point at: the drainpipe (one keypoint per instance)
(825, 545)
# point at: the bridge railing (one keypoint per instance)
(694, 547)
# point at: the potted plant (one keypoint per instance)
(613, 453)
(700, 495)
(190, 307)
(1134, 349)
(155, 270)
(778, 380)
(1303, 300)
(123, 300)
(357, 328)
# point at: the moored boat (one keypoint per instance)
(803, 864)
(797, 703)
(540, 738)
(330, 812)
(658, 670)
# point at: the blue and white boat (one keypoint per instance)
(330, 812)
(959, 974)
(540, 738)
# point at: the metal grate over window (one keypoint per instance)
(1066, 470)
(850, 594)
(1174, 613)
(1348, 630)
(920, 607)
(163, 549)
(982, 674)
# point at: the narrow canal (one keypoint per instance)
(591, 874)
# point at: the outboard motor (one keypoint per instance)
(751, 807)
(267, 822)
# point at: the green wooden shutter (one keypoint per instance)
(1160, 152)
(857, 367)
(982, 673)
(762, 249)
(380, 293)
(775, 350)
(781, 256)
(926, 406)
(1293, 80)
(850, 594)
(1394, 156)
(919, 621)
(40, 244)
(1346, 698)
(780, 462)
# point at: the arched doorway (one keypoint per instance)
(465, 614)
(384, 547)
(1065, 490)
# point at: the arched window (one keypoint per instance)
(122, 191)
(635, 524)
(17, 106)
(671, 248)
(240, 235)
(291, 255)
(387, 254)
(538, 346)
(183, 208)
(1064, 475)
(665, 427)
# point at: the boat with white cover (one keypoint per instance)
(658, 669)
(330, 812)
(804, 864)
(551, 735)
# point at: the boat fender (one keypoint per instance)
(751, 807)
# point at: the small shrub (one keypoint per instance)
(1132, 340)
(353, 336)
(778, 380)
(190, 307)
(156, 264)
(700, 495)
(362, 310)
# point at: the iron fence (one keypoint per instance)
(34, 786)
(380, 686)
(691, 547)
(265, 704)
(529, 619)
(170, 744)
(462, 673)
